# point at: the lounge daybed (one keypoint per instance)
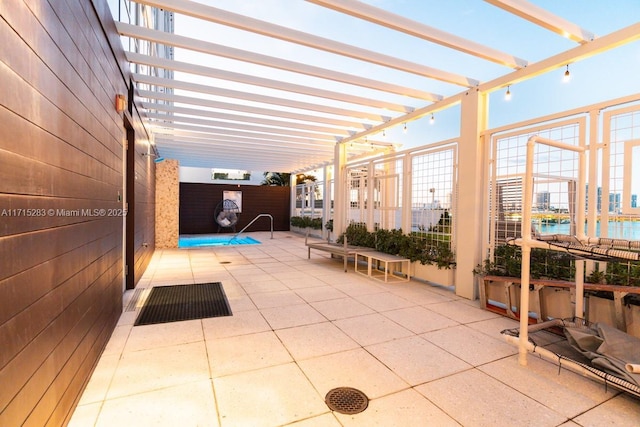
(343, 250)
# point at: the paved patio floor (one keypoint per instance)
(300, 328)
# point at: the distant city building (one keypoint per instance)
(634, 200)
(543, 200)
(615, 202)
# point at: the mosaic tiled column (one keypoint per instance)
(167, 204)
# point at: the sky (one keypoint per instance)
(610, 75)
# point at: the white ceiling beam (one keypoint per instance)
(601, 44)
(159, 120)
(257, 58)
(223, 17)
(231, 147)
(229, 93)
(192, 156)
(417, 29)
(215, 73)
(227, 148)
(171, 109)
(188, 100)
(200, 131)
(545, 19)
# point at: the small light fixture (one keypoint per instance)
(567, 75)
(384, 133)
(121, 103)
(507, 95)
(404, 128)
(432, 119)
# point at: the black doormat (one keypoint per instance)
(183, 302)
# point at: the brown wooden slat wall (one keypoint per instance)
(198, 203)
(60, 149)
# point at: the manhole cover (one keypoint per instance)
(346, 400)
(225, 262)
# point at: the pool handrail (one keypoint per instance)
(254, 220)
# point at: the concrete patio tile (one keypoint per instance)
(354, 368)
(309, 341)
(384, 301)
(146, 337)
(462, 312)
(341, 308)
(320, 293)
(620, 411)
(241, 323)
(148, 370)
(416, 360)
(419, 319)
(565, 392)
(276, 299)
(245, 353)
(188, 404)
(372, 329)
(475, 399)
(470, 345)
(325, 420)
(272, 396)
(405, 408)
(295, 315)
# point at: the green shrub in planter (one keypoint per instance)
(306, 222)
(556, 265)
(395, 242)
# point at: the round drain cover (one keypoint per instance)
(225, 262)
(346, 400)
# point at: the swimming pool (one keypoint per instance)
(207, 240)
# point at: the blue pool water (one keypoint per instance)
(207, 240)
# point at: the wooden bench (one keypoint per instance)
(375, 260)
(343, 250)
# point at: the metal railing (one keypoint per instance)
(252, 221)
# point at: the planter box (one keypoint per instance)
(312, 232)
(632, 319)
(548, 299)
(600, 310)
(431, 273)
(553, 299)
(556, 303)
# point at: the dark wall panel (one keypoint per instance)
(61, 161)
(198, 203)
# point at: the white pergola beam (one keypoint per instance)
(203, 132)
(545, 19)
(259, 59)
(229, 147)
(188, 100)
(246, 96)
(159, 121)
(171, 109)
(223, 17)
(417, 29)
(215, 73)
(229, 93)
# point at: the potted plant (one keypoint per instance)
(611, 294)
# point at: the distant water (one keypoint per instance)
(627, 230)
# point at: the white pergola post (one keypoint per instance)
(339, 189)
(293, 193)
(326, 199)
(468, 233)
